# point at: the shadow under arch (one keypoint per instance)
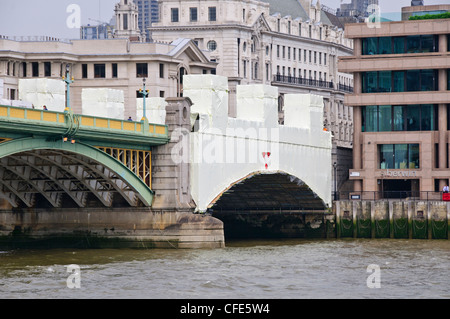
(49, 168)
(266, 192)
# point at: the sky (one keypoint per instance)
(50, 17)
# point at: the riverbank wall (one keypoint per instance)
(392, 219)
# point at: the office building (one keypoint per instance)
(400, 106)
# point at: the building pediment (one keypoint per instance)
(261, 24)
(189, 48)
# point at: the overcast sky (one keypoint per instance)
(49, 17)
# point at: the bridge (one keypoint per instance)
(147, 184)
(60, 159)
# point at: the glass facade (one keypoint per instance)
(398, 118)
(399, 156)
(400, 81)
(400, 45)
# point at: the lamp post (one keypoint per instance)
(145, 94)
(335, 181)
(68, 81)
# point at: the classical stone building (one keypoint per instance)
(113, 63)
(289, 44)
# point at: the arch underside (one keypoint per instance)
(57, 177)
(269, 192)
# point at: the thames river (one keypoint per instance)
(280, 269)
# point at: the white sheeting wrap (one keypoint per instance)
(225, 150)
(40, 92)
(103, 102)
(209, 95)
(258, 103)
(155, 109)
(303, 110)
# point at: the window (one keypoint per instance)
(300, 29)
(399, 45)
(99, 71)
(289, 27)
(278, 51)
(47, 69)
(174, 14)
(35, 69)
(141, 70)
(84, 71)
(325, 58)
(114, 70)
(212, 14)
(161, 70)
(125, 21)
(387, 118)
(24, 69)
(310, 56)
(399, 156)
(284, 52)
(212, 45)
(400, 81)
(193, 13)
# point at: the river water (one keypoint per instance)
(280, 269)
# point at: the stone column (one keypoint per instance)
(442, 141)
(357, 160)
(170, 163)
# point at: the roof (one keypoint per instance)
(291, 8)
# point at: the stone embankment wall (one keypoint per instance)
(392, 219)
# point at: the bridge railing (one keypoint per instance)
(85, 121)
(388, 195)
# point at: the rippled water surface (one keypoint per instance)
(285, 269)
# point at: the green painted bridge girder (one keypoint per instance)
(30, 144)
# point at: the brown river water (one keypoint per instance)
(272, 269)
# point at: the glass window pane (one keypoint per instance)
(385, 45)
(387, 156)
(399, 81)
(427, 43)
(413, 44)
(370, 118)
(412, 80)
(413, 118)
(399, 122)
(401, 156)
(413, 159)
(427, 80)
(372, 46)
(399, 45)
(385, 119)
(385, 81)
(370, 82)
(427, 116)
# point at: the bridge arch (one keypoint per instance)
(53, 169)
(268, 191)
